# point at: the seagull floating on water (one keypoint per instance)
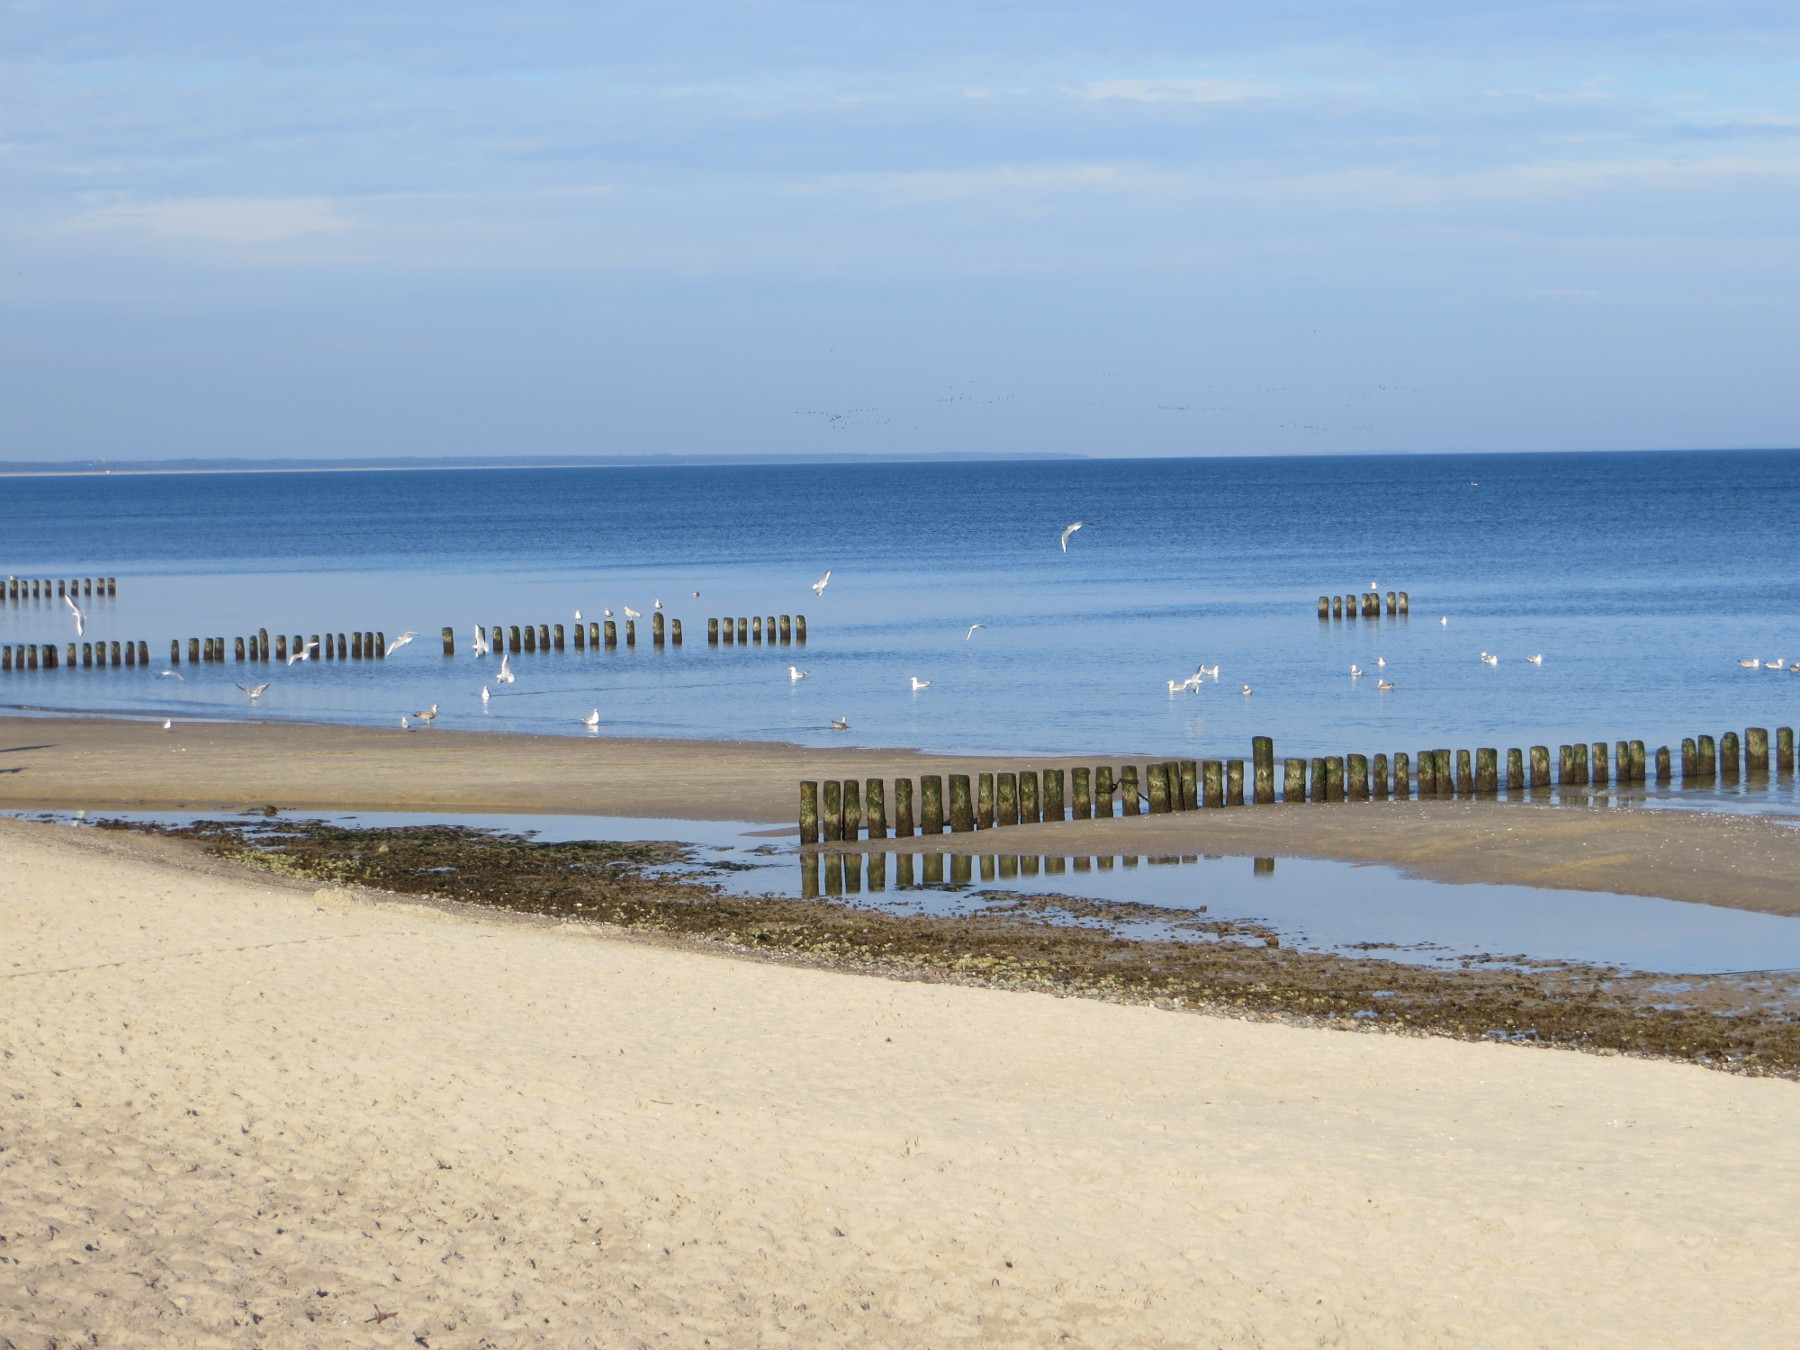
(1247, 691)
(818, 587)
(398, 643)
(1445, 620)
(256, 693)
(1355, 672)
(1071, 530)
(305, 653)
(918, 684)
(1384, 685)
(505, 676)
(840, 724)
(1381, 661)
(485, 696)
(971, 632)
(80, 615)
(1489, 659)
(1753, 663)
(1537, 660)
(795, 674)
(592, 720)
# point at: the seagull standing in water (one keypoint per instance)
(818, 587)
(485, 696)
(80, 615)
(398, 643)
(428, 716)
(1071, 530)
(592, 720)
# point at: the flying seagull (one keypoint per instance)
(971, 632)
(1071, 530)
(305, 653)
(398, 643)
(80, 615)
(176, 674)
(256, 693)
(481, 642)
(818, 587)
(505, 676)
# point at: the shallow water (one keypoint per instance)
(1642, 579)
(1313, 904)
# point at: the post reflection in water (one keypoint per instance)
(839, 874)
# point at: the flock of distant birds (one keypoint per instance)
(505, 675)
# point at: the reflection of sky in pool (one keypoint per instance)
(1310, 903)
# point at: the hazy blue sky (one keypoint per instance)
(331, 228)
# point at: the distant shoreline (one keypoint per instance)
(88, 468)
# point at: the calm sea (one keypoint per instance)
(1642, 579)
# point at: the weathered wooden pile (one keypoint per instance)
(1365, 605)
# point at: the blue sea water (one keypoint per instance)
(1642, 579)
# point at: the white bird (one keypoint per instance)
(656, 604)
(592, 720)
(304, 653)
(404, 724)
(918, 684)
(256, 693)
(1537, 660)
(398, 643)
(80, 615)
(696, 595)
(1381, 660)
(1176, 686)
(818, 587)
(428, 715)
(577, 616)
(505, 676)
(1211, 672)
(1445, 620)
(631, 614)
(1776, 664)
(840, 724)
(795, 674)
(481, 642)
(168, 724)
(1246, 691)
(1794, 667)
(1071, 530)
(1373, 586)
(174, 674)
(971, 632)
(1355, 673)
(1753, 663)
(485, 696)
(1384, 685)
(607, 613)
(1489, 659)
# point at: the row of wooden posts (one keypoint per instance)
(784, 628)
(48, 656)
(1366, 605)
(47, 588)
(200, 651)
(834, 810)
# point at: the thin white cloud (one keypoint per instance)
(1170, 91)
(228, 220)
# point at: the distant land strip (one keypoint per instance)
(23, 468)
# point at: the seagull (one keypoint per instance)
(305, 653)
(1776, 664)
(696, 595)
(592, 720)
(607, 613)
(918, 684)
(505, 676)
(1794, 667)
(818, 587)
(1381, 660)
(1176, 686)
(481, 642)
(256, 693)
(1445, 620)
(971, 632)
(1751, 664)
(1246, 691)
(631, 614)
(1210, 671)
(404, 724)
(80, 615)
(485, 696)
(1384, 685)
(176, 674)
(398, 643)
(168, 724)
(656, 604)
(1355, 673)
(577, 616)
(795, 674)
(428, 715)
(1373, 586)
(1489, 659)
(1537, 660)
(1071, 530)
(840, 724)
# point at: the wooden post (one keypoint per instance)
(1214, 779)
(800, 629)
(1006, 799)
(610, 633)
(832, 824)
(1130, 803)
(1081, 790)
(144, 653)
(1188, 775)
(1262, 756)
(1402, 776)
(756, 628)
(1599, 772)
(1054, 804)
(1324, 608)
(1515, 770)
(675, 639)
(1665, 769)
(1756, 750)
(1357, 769)
(984, 801)
(730, 633)
(962, 810)
(631, 632)
(1352, 606)
(1158, 775)
(1028, 797)
(1293, 785)
(852, 810)
(659, 629)
(593, 634)
(787, 628)
(579, 633)
(1465, 773)
(1378, 777)
(809, 811)
(1690, 759)
(1730, 757)
(743, 632)
(356, 646)
(875, 808)
(1103, 791)
(1427, 774)
(556, 639)
(238, 648)
(1334, 778)
(1581, 763)
(712, 632)
(1565, 765)
(514, 644)
(1405, 603)
(1707, 760)
(931, 803)
(1487, 769)
(1318, 780)
(903, 808)
(1337, 606)
(87, 655)
(531, 642)
(380, 645)
(1637, 760)
(1390, 604)
(1784, 750)
(1234, 782)
(1621, 762)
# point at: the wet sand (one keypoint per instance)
(96, 763)
(242, 1112)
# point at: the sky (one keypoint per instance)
(1146, 227)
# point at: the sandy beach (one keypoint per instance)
(246, 1112)
(99, 764)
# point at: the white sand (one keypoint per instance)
(237, 1115)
